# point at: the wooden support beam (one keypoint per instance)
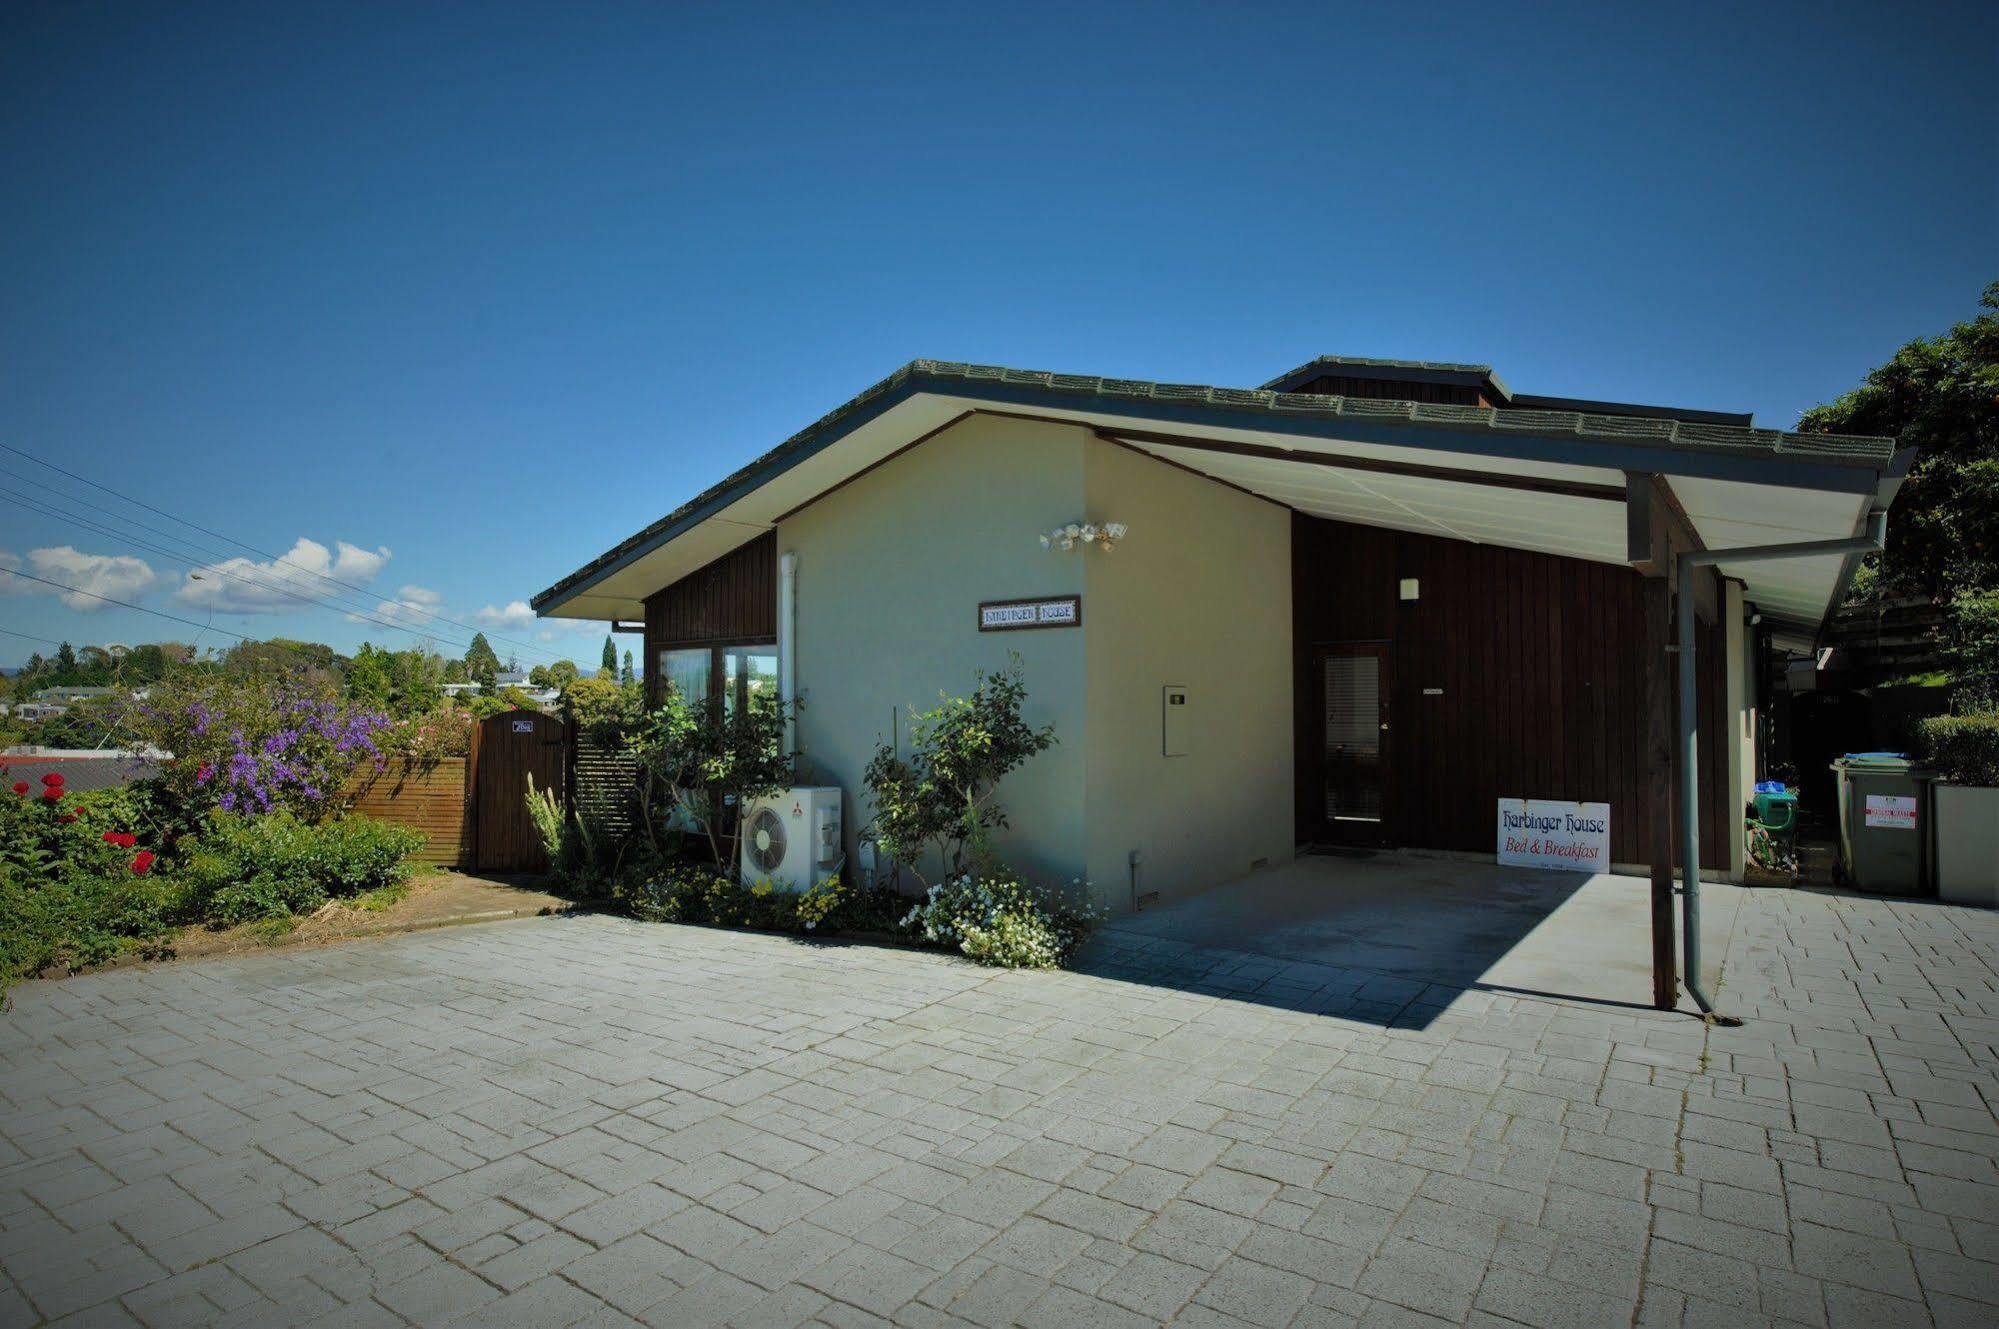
(1659, 763)
(1656, 530)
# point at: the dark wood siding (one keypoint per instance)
(1541, 669)
(732, 599)
(729, 602)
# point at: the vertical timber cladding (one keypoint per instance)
(732, 601)
(1514, 674)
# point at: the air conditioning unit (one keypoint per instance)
(792, 839)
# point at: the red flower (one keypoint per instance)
(21, 788)
(66, 818)
(53, 779)
(143, 863)
(123, 839)
(52, 792)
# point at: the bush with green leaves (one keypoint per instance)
(1964, 749)
(76, 880)
(696, 893)
(941, 798)
(1002, 921)
(249, 868)
(700, 764)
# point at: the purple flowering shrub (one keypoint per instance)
(259, 745)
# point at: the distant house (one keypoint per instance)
(507, 678)
(82, 769)
(35, 711)
(69, 694)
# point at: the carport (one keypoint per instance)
(1423, 920)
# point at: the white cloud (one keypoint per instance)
(91, 575)
(413, 607)
(517, 614)
(281, 585)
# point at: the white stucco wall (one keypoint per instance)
(891, 570)
(1197, 595)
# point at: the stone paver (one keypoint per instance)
(588, 1121)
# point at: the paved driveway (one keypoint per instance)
(584, 1120)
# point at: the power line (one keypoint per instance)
(123, 604)
(46, 641)
(195, 566)
(276, 559)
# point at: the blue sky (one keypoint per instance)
(489, 287)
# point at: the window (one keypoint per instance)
(745, 670)
(688, 669)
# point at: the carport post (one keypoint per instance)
(1876, 537)
(1658, 609)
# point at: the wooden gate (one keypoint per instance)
(506, 749)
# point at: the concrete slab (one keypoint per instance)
(1444, 919)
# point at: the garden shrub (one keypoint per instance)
(1964, 749)
(258, 744)
(76, 884)
(1001, 921)
(941, 797)
(686, 892)
(248, 868)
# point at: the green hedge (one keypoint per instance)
(1964, 749)
(249, 868)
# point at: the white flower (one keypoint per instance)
(1072, 530)
(1115, 529)
(1045, 542)
(1088, 533)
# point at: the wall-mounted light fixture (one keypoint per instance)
(1104, 535)
(1411, 590)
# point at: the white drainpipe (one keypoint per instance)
(787, 645)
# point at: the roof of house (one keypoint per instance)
(1847, 464)
(1487, 380)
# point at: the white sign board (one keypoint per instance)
(1064, 611)
(1893, 810)
(1544, 833)
(524, 726)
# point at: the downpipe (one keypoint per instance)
(787, 646)
(1690, 820)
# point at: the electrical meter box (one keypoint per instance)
(1174, 723)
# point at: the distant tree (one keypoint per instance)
(454, 671)
(281, 655)
(481, 664)
(1940, 394)
(558, 675)
(609, 669)
(66, 657)
(628, 677)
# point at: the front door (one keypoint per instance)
(1354, 770)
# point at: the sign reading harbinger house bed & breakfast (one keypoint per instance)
(1543, 833)
(1056, 611)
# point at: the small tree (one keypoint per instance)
(609, 667)
(941, 797)
(481, 661)
(702, 763)
(628, 677)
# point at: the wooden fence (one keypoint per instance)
(442, 799)
(429, 798)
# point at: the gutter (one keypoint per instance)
(1854, 547)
